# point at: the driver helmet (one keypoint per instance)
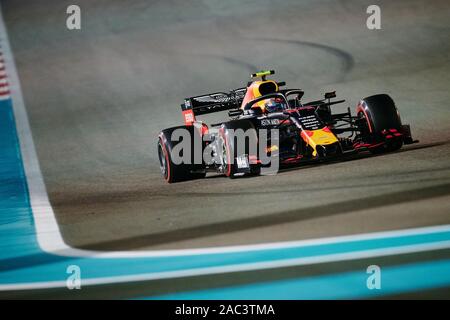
(274, 105)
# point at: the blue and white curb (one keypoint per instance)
(345, 285)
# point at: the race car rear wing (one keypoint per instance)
(210, 103)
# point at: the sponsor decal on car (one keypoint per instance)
(242, 162)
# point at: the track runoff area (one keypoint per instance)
(37, 263)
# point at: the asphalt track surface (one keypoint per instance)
(97, 98)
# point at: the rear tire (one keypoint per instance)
(177, 172)
(380, 114)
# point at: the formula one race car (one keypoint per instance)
(274, 126)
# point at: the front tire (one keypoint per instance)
(230, 152)
(378, 115)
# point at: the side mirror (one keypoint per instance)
(256, 111)
(330, 95)
(235, 113)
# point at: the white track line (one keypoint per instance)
(47, 230)
(235, 268)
